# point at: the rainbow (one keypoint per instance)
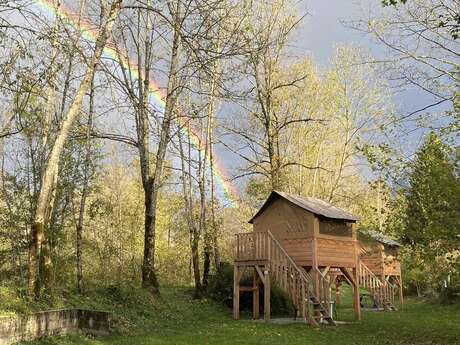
(157, 95)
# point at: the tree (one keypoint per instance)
(52, 163)
(422, 50)
(450, 19)
(433, 200)
(260, 133)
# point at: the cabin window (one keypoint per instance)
(391, 251)
(334, 228)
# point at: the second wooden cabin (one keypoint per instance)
(381, 255)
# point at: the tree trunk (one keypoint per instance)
(188, 202)
(37, 236)
(149, 279)
(84, 192)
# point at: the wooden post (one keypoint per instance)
(401, 299)
(314, 256)
(356, 275)
(236, 292)
(338, 296)
(303, 297)
(356, 299)
(255, 295)
(266, 294)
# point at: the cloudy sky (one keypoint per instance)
(323, 29)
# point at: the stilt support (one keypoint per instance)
(267, 292)
(255, 295)
(356, 297)
(354, 280)
(236, 292)
(338, 292)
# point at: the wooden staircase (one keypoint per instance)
(308, 291)
(382, 292)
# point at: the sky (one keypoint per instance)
(323, 30)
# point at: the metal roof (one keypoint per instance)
(313, 205)
(379, 237)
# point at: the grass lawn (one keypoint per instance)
(174, 318)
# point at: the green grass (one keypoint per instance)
(175, 318)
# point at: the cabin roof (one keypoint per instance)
(379, 237)
(316, 206)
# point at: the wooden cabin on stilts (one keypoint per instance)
(305, 245)
(295, 242)
(381, 255)
(379, 270)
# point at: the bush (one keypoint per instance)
(221, 290)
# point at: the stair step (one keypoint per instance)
(325, 317)
(320, 310)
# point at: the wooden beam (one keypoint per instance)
(255, 296)
(348, 275)
(338, 296)
(246, 288)
(267, 294)
(261, 274)
(250, 262)
(236, 292)
(401, 297)
(314, 256)
(325, 271)
(356, 297)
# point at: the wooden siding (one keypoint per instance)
(336, 252)
(300, 250)
(380, 260)
(336, 228)
(392, 266)
(285, 220)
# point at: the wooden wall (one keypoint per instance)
(336, 252)
(299, 249)
(372, 257)
(285, 221)
(380, 260)
(392, 266)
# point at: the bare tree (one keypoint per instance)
(52, 163)
(423, 52)
(267, 39)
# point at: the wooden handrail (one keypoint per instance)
(285, 253)
(299, 284)
(383, 292)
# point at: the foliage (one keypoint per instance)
(424, 215)
(433, 200)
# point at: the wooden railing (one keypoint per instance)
(251, 246)
(383, 292)
(300, 286)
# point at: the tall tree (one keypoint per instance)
(433, 200)
(269, 30)
(52, 163)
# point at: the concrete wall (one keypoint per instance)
(56, 322)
